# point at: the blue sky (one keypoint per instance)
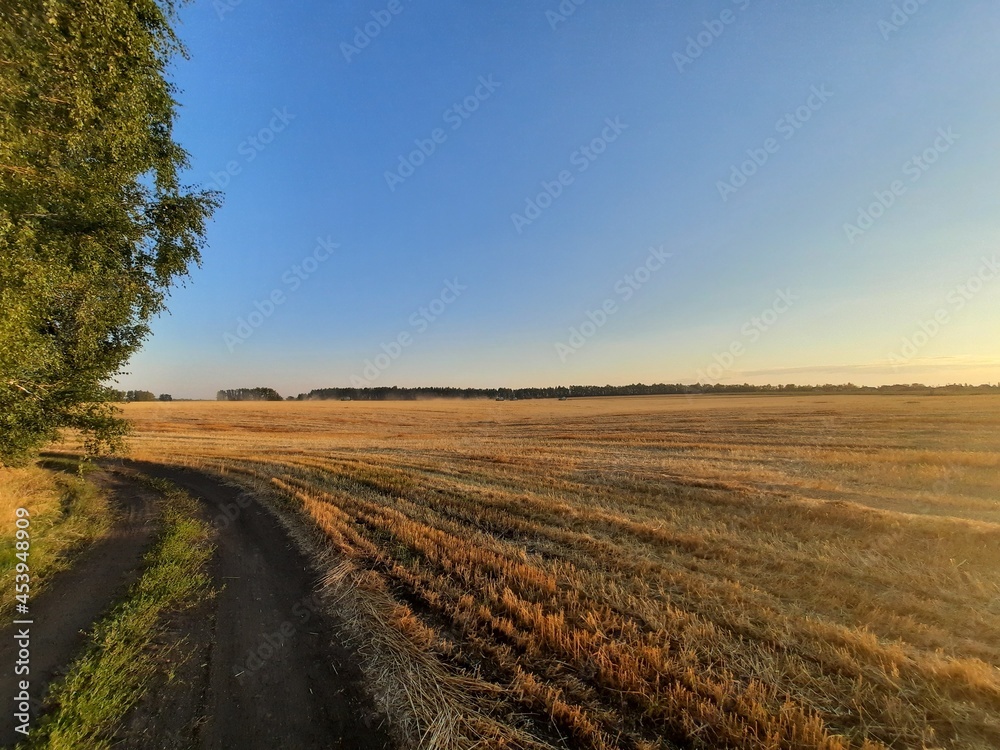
(740, 140)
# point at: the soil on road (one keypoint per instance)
(75, 598)
(259, 664)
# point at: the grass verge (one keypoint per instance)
(101, 686)
(67, 514)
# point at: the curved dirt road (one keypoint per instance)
(263, 668)
(273, 676)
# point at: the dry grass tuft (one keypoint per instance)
(437, 708)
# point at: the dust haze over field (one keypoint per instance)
(713, 571)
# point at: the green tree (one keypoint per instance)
(248, 394)
(95, 225)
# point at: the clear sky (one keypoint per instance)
(508, 194)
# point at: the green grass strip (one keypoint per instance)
(110, 677)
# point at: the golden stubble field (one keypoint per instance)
(707, 572)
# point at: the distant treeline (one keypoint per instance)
(394, 393)
(130, 396)
(248, 394)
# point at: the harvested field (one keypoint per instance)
(708, 572)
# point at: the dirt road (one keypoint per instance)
(77, 597)
(262, 667)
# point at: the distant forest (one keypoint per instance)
(248, 394)
(394, 393)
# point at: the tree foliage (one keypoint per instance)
(95, 226)
(248, 394)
